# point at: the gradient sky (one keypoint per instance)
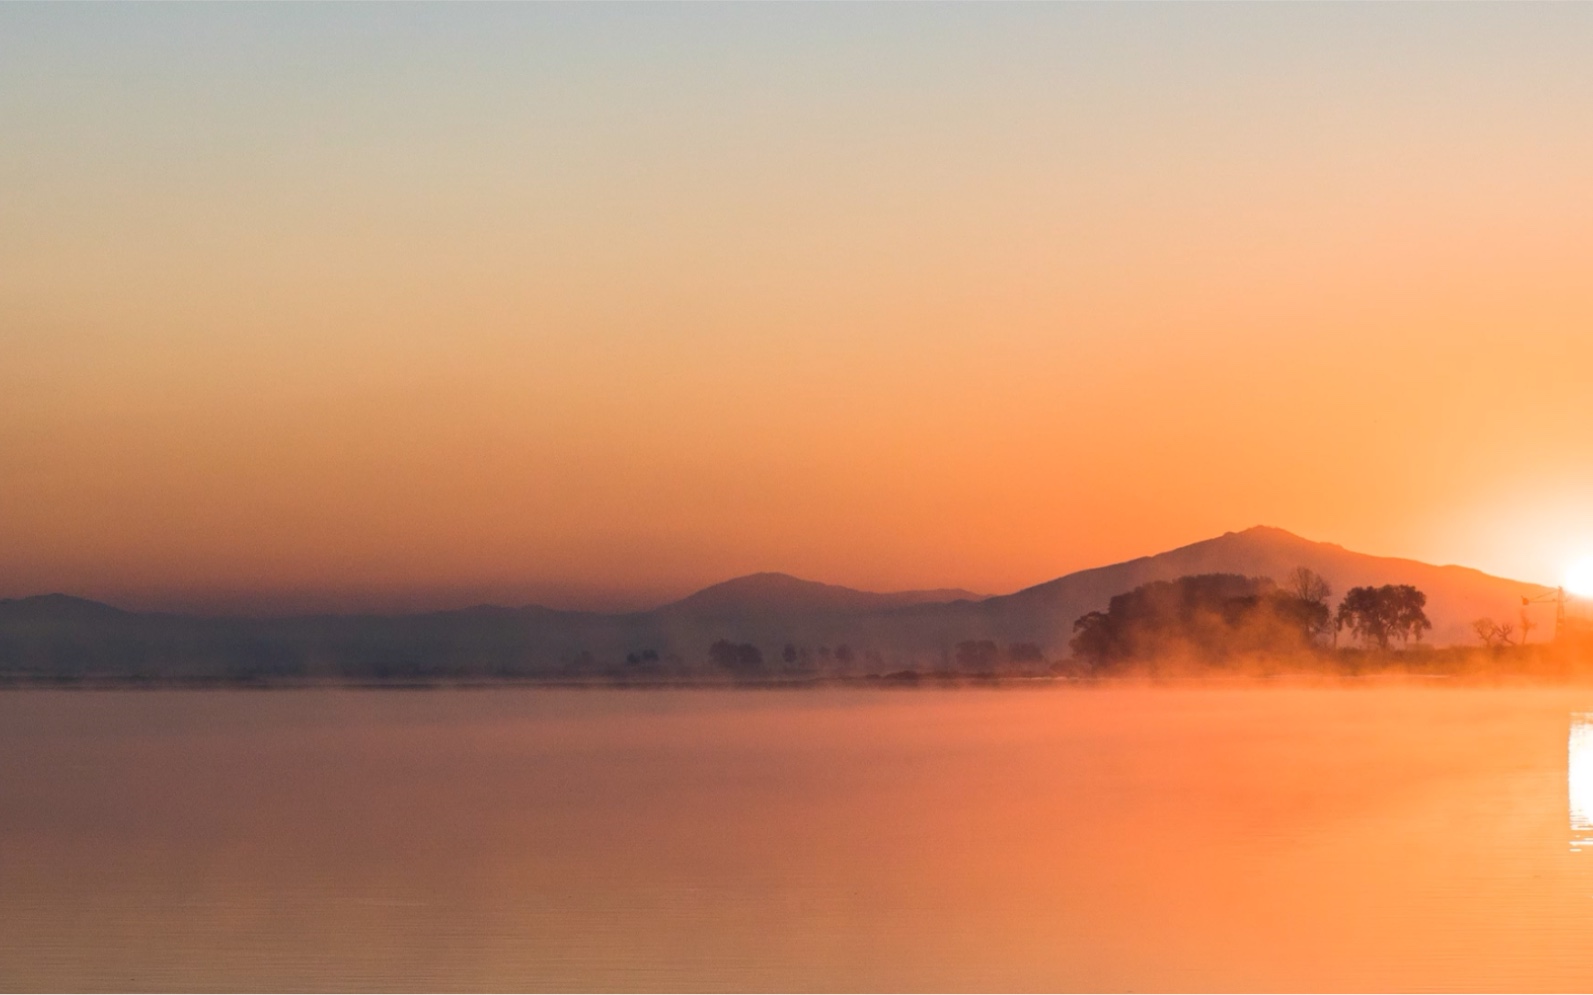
(363, 305)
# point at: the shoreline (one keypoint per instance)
(931, 682)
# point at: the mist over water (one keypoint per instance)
(1186, 837)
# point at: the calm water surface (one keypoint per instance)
(1188, 838)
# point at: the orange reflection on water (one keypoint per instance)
(1112, 838)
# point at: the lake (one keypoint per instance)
(1390, 836)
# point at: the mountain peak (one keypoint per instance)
(1270, 533)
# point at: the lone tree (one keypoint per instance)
(1378, 614)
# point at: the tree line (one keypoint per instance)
(1205, 617)
(1212, 617)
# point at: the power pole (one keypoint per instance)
(1558, 598)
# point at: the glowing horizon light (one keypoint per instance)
(1579, 578)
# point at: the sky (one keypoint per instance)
(400, 306)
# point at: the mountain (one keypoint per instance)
(1455, 595)
(798, 627)
(763, 593)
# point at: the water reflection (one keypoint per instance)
(1579, 780)
(537, 839)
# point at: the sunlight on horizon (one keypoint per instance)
(1579, 578)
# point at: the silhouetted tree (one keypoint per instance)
(1378, 614)
(1484, 628)
(1487, 631)
(1410, 614)
(1365, 615)
(1312, 590)
(843, 653)
(1308, 585)
(741, 657)
(1094, 638)
(1207, 615)
(789, 654)
(1492, 633)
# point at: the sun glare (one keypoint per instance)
(1579, 578)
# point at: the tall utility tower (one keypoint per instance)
(1558, 600)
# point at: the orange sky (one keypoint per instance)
(406, 306)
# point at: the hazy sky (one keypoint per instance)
(390, 305)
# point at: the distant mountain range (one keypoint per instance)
(796, 626)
